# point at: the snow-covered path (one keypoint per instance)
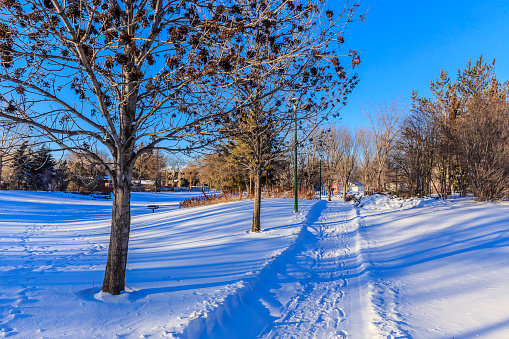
(309, 290)
(318, 287)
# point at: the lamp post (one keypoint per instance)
(320, 155)
(295, 101)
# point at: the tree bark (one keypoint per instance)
(114, 275)
(1, 167)
(257, 202)
(345, 187)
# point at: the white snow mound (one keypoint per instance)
(385, 202)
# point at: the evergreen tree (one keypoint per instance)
(41, 169)
(20, 167)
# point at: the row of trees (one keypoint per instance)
(30, 166)
(343, 154)
(457, 140)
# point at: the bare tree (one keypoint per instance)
(342, 147)
(328, 171)
(309, 159)
(280, 70)
(149, 166)
(95, 75)
(415, 151)
(175, 163)
(84, 172)
(384, 121)
(367, 156)
(483, 136)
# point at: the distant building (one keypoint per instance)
(144, 182)
(353, 187)
(357, 187)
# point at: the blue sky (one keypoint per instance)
(406, 43)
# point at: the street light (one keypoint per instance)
(320, 155)
(295, 101)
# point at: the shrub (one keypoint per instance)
(230, 196)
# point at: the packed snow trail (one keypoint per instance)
(308, 291)
(325, 279)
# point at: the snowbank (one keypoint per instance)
(386, 203)
(440, 271)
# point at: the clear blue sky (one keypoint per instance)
(406, 43)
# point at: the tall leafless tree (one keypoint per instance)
(342, 145)
(384, 121)
(98, 74)
(367, 156)
(281, 67)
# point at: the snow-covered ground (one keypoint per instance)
(440, 271)
(393, 268)
(396, 268)
(181, 264)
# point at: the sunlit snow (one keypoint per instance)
(393, 268)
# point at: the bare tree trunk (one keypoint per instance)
(345, 186)
(329, 189)
(114, 275)
(257, 202)
(1, 167)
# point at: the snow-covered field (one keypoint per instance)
(182, 263)
(416, 268)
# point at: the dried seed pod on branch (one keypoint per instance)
(107, 75)
(280, 62)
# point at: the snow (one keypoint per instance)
(387, 203)
(440, 271)
(181, 264)
(393, 268)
